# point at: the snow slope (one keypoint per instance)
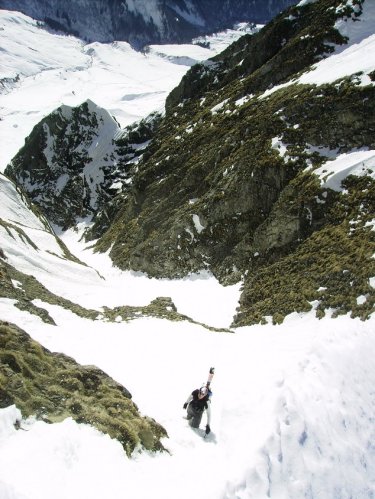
(293, 405)
(288, 421)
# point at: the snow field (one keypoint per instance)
(292, 410)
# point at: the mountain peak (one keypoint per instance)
(141, 22)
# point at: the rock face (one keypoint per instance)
(53, 387)
(224, 183)
(141, 23)
(76, 160)
(227, 182)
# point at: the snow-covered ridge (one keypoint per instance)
(356, 57)
(141, 22)
(19, 221)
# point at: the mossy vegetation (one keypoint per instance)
(161, 307)
(330, 269)
(215, 160)
(287, 45)
(53, 386)
(231, 178)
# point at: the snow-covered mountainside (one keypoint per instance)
(276, 135)
(36, 78)
(233, 180)
(141, 22)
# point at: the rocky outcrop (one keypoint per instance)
(52, 387)
(78, 159)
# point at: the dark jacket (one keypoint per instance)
(200, 405)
